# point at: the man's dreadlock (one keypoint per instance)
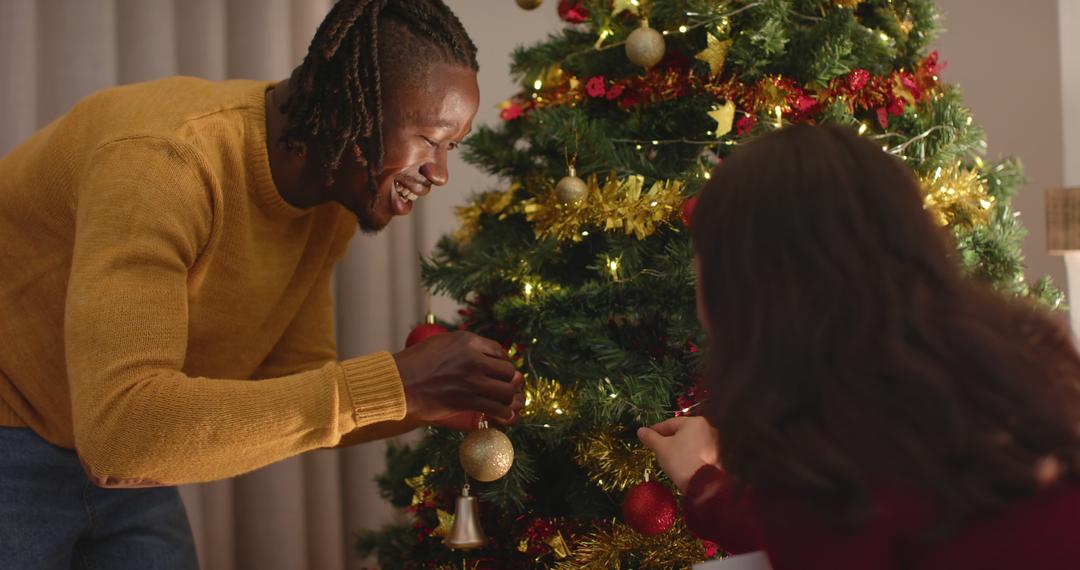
(336, 105)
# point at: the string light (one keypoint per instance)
(779, 116)
(528, 291)
(682, 29)
(863, 128)
(613, 268)
(538, 84)
(604, 34)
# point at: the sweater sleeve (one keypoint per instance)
(792, 534)
(713, 511)
(308, 341)
(142, 218)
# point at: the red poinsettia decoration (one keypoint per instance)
(573, 11)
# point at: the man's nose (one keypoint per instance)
(436, 171)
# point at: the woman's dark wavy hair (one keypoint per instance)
(848, 349)
(361, 51)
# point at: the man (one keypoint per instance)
(166, 243)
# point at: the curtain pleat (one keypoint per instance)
(18, 72)
(76, 53)
(146, 40)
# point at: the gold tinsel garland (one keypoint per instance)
(957, 196)
(547, 399)
(611, 462)
(605, 547)
(620, 204)
(493, 203)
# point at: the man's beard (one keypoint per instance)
(363, 217)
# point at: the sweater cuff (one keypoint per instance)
(371, 390)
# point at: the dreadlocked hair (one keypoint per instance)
(336, 104)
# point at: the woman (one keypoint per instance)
(870, 406)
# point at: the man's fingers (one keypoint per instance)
(502, 392)
(489, 347)
(503, 370)
(669, 426)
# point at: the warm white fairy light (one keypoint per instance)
(538, 84)
(613, 268)
(863, 128)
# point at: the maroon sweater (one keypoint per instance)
(1042, 532)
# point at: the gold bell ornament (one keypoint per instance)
(465, 534)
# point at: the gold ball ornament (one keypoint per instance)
(645, 46)
(571, 189)
(530, 4)
(486, 454)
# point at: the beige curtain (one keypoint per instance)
(301, 513)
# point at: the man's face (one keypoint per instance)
(421, 125)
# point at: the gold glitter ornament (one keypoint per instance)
(645, 46)
(571, 189)
(486, 454)
(530, 4)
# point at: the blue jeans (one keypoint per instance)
(53, 518)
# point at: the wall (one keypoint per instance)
(1005, 57)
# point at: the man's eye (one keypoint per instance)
(453, 145)
(430, 142)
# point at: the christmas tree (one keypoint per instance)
(581, 265)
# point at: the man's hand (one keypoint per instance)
(682, 446)
(452, 377)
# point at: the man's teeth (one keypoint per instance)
(405, 192)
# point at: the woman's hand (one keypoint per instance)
(682, 446)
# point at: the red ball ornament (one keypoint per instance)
(425, 331)
(687, 212)
(649, 508)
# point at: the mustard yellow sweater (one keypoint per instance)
(150, 271)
